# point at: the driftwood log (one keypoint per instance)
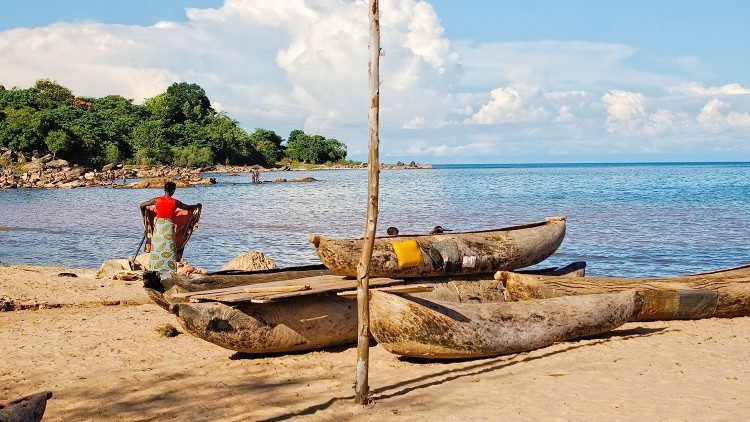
(721, 294)
(27, 409)
(416, 327)
(451, 253)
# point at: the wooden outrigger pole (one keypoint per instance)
(361, 388)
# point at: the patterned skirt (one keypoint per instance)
(162, 257)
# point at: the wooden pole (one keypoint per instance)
(361, 388)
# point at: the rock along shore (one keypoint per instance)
(16, 171)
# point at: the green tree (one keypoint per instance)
(51, 94)
(193, 156)
(151, 147)
(23, 131)
(314, 149)
(268, 145)
(57, 141)
(187, 102)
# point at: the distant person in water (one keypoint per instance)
(163, 257)
(392, 231)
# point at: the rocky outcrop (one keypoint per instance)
(44, 172)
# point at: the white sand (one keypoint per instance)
(109, 363)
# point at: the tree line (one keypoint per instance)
(177, 127)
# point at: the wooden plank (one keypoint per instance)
(312, 281)
(417, 288)
(330, 286)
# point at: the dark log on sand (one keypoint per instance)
(450, 253)
(313, 321)
(27, 409)
(416, 327)
(721, 294)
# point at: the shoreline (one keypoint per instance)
(45, 173)
(105, 360)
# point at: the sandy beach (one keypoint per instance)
(94, 344)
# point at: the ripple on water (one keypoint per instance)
(629, 220)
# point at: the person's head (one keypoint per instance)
(392, 231)
(169, 188)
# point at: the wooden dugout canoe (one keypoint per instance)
(27, 409)
(720, 294)
(450, 253)
(313, 321)
(162, 291)
(416, 327)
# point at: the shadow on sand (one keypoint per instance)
(484, 366)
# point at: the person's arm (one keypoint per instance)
(147, 204)
(182, 206)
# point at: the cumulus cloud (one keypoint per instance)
(285, 65)
(713, 117)
(625, 111)
(270, 64)
(507, 105)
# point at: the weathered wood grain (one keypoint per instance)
(312, 321)
(27, 409)
(721, 294)
(411, 326)
(449, 253)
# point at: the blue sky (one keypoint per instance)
(468, 81)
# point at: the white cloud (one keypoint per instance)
(508, 105)
(625, 111)
(712, 117)
(284, 65)
(697, 89)
(445, 150)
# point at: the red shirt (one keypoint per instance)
(166, 207)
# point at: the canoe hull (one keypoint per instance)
(27, 409)
(316, 321)
(305, 323)
(719, 294)
(449, 253)
(421, 328)
(162, 291)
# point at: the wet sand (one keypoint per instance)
(94, 344)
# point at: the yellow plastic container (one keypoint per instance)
(407, 253)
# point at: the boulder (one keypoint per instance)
(56, 164)
(89, 176)
(208, 181)
(75, 172)
(111, 267)
(157, 182)
(32, 166)
(250, 261)
(107, 167)
(73, 184)
(46, 159)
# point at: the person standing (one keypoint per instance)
(163, 257)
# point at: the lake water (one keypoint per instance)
(623, 219)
